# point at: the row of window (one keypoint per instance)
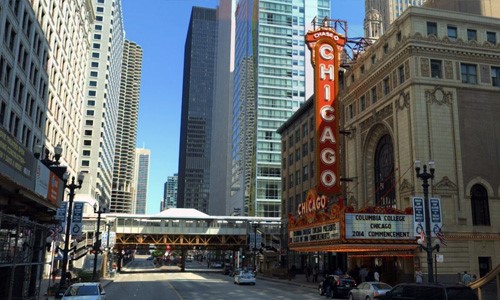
(452, 32)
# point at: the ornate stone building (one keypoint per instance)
(428, 90)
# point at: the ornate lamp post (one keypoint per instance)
(97, 245)
(425, 176)
(72, 187)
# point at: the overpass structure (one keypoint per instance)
(184, 229)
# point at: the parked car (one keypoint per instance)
(85, 291)
(216, 265)
(344, 283)
(368, 290)
(244, 277)
(437, 291)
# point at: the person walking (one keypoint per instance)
(315, 273)
(419, 276)
(308, 273)
(466, 278)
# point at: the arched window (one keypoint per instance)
(385, 194)
(479, 204)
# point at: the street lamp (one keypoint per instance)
(51, 161)
(72, 187)
(425, 176)
(97, 245)
(255, 226)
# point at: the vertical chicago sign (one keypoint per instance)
(326, 45)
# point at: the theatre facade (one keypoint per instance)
(415, 94)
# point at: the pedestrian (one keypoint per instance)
(363, 273)
(315, 273)
(327, 285)
(338, 271)
(466, 278)
(308, 272)
(419, 276)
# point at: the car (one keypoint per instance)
(344, 283)
(85, 291)
(216, 265)
(368, 290)
(244, 277)
(150, 258)
(189, 258)
(434, 291)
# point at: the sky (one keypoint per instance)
(160, 28)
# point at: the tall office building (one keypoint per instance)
(196, 118)
(100, 105)
(170, 193)
(269, 85)
(141, 178)
(123, 190)
(65, 27)
(388, 10)
(221, 121)
(43, 56)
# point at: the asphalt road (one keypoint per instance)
(143, 281)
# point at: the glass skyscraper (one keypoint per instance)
(269, 86)
(197, 102)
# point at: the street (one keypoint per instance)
(142, 280)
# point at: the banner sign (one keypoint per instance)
(379, 226)
(76, 221)
(325, 45)
(419, 215)
(314, 234)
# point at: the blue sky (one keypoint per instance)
(160, 28)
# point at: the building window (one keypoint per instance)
(432, 28)
(452, 32)
(100, 9)
(491, 37)
(90, 112)
(387, 87)
(479, 204)
(92, 93)
(362, 103)
(88, 132)
(94, 64)
(374, 59)
(401, 74)
(95, 55)
(471, 34)
(386, 48)
(305, 173)
(385, 194)
(436, 69)
(350, 111)
(89, 122)
(93, 83)
(297, 135)
(87, 143)
(495, 76)
(93, 73)
(96, 46)
(86, 152)
(469, 73)
(373, 93)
